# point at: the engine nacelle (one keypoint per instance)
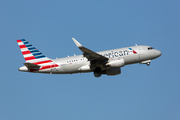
(113, 71)
(85, 68)
(116, 63)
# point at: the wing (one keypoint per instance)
(95, 59)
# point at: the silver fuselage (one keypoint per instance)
(80, 64)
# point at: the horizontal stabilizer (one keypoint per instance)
(31, 65)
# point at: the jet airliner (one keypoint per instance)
(105, 62)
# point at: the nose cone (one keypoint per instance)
(24, 69)
(158, 53)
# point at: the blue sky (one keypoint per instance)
(139, 93)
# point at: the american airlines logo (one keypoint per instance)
(132, 51)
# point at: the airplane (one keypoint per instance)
(105, 62)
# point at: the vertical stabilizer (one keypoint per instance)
(34, 56)
(30, 53)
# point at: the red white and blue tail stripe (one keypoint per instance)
(29, 52)
(34, 56)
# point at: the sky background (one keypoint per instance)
(140, 93)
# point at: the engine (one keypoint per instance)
(116, 63)
(85, 68)
(113, 71)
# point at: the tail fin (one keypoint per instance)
(35, 60)
(31, 54)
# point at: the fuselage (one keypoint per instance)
(80, 64)
(107, 62)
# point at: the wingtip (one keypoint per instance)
(76, 42)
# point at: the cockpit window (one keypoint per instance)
(150, 48)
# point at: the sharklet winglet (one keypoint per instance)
(76, 42)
